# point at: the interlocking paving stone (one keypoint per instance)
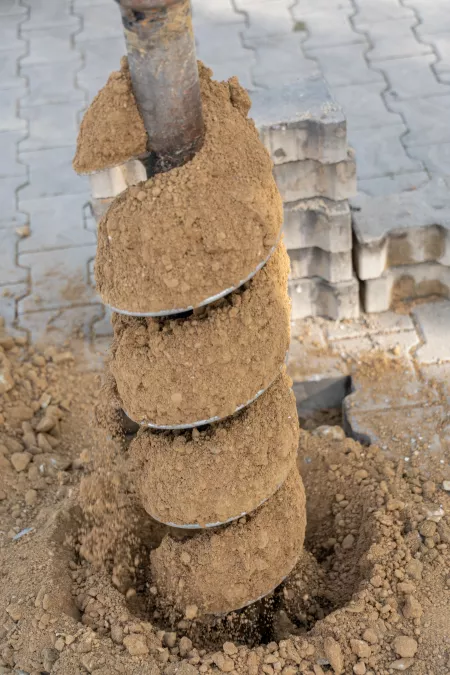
(401, 343)
(387, 185)
(215, 42)
(12, 7)
(318, 222)
(53, 83)
(50, 126)
(372, 11)
(8, 200)
(411, 77)
(10, 33)
(441, 44)
(220, 11)
(58, 278)
(364, 106)
(56, 222)
(426, 118)
(9, 295)
(344, 65)
(381, 153)
(393, 39)
(9, 69)
(315, 262)
(55, 326)
(9, 165)
(373, 324)
(51, 174)
(301, 121)
(402, 229)
(267, 18)
(433, 320)
(48, 14)
(315, 297)
(45, 44)
(279, 60)
(9, 120)
(99, 24)
(10, 273)
(241, 68)
(433, 16)
(327, 27)
(436, 157)
(421, 280)
(309, 178)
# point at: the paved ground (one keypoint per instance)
(388, 63)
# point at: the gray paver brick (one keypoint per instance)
(318, 222)
(344, 65)
(381, 153)
(314, 262)
(9, 166)
(387, 185)
(12, 7)
(9, 295)
(10, 33)
(411, 77)
(441, 44)
(101, 57)
(436, 157)
(327, 27)
(386, 323)
(280, 60)
(309, 178)
(433, 16)
(434, 322)
(372, 11)
(55, 326)
(267, 18)
(241, 68)
(402, 342)
(418, 113)
(48, 14)
(56, 222)
(53, 83)
(301, 121)
(51, 174)
(99, 23)
(220, 11)
(9, 120)
(8, 212)
(46, 43)
(393, 39)
(315, 297)
(9, 69)
(402, 229)
(422, 280)
(364, 106)
(50, 126)
(215, 42)
(10, 273)
(59, 279)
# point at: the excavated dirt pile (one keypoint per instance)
(370, 593)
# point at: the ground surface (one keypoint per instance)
(387, 62)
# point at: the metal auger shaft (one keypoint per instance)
(163, 67)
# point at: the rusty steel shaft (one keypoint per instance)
(163, 67)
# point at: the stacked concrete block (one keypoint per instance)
(305, 132)
(402, 244)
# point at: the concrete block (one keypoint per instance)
(309, 178)
(301, 121)
(111, 182)
(433, 320)
(56, 222)
(344, 65)
(315, 297)
(314, 262)
(402, 229)
(322, 223)
(405, 282)
(58, 279)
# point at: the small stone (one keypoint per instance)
(229, 648)
(20, 460)
(348, 542)
(31, 497)
(170, 639)
(427, 528)
(23, 231)
(333, 433)
(370, 636)
(2, 495)
(49, 658)
(333, 653)
(185, 646)
(412, 609)
(414, 568)
(359, 668)
(401, 664)
(405, 646)
(15, 611)
(117, 634)
(43, 443)
(63, 357)
(360, 648)
(446, 485)
(60, 644)
(47, 423)
(13, 445)
(135, 644)
(224, 663)
(191, 612)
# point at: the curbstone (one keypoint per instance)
(409, 281)
(402, 229)
(301, 121)
(318, 222)
(309, 178)
(332, 267)
(316, 297)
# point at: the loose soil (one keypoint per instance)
(112, 130)
(236, 348)
(216, 218)
(370, 594)
(215, 473)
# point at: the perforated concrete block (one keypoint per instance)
(314, 262)
(301, 121)
(402, 229)
(316, 297)
(309, 178)
(406, 281)
(318, 222)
